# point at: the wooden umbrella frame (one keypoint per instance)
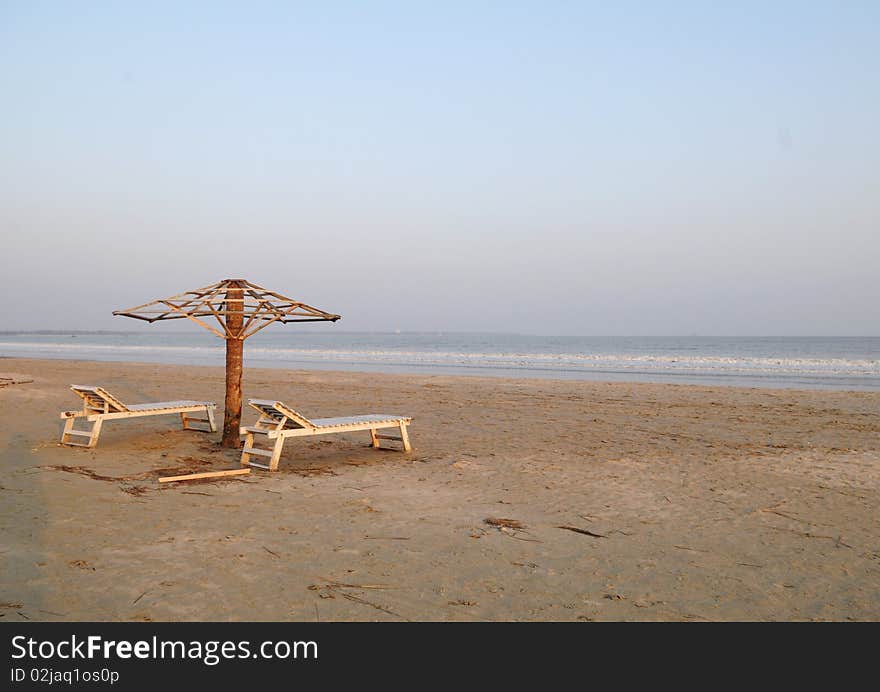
(241, 309)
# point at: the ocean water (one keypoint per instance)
(801, 362)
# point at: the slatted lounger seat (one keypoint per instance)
(99, 405)
(278, 421)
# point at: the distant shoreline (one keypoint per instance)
(842, 363)
(487, 373)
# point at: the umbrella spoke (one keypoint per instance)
(194, 319)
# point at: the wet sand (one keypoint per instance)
(680, 502)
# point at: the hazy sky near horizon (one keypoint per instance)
(539, 167)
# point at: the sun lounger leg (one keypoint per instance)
(186, 419)
(374, 437)
(276, 454)
(248, 444)
(404, 437)
(68, 426)
(96, 431)
(70, 433)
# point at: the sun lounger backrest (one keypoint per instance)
(97, 398)
(277, 411)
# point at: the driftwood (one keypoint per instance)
(5, 380)
(206, 474)
(583, 531)
(505, 523)
(510, 528)
(334, 587)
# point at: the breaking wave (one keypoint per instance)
(429, 358)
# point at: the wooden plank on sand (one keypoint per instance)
(207, 474)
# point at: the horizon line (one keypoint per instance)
(399, 332)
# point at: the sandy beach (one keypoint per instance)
(623, 502)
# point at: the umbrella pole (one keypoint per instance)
(232, 408)
(234, 349)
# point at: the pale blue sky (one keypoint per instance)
(545, 167)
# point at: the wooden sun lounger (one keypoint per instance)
(278, 421)
(99, 405)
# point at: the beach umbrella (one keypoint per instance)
(241, 309)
